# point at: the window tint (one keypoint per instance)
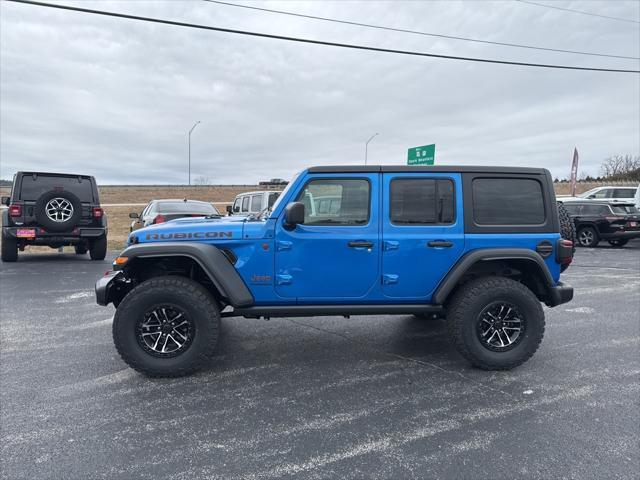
(186, 207)
(272, 199)
(623, 209)
(245, 204)
(507, 201)
(421, 201)
(256, 203)
(236, 205)
(336, 202)
(32, 189)
(572, 209)
(624, 192)
(595, 210)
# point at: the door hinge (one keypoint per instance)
(284, 279)
(390, 245)
(283, 245)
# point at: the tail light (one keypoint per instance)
(15, 210)
(564, 255)
(97, 212)
(159, 219)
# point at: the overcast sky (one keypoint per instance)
(116, 98)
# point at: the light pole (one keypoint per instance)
(366, 147)
(194, 126)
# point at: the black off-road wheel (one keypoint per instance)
(619, 242)
(167, 327)
(588, 237)
(98, 248)
(496, 323)
(9, 249)
(567, 230)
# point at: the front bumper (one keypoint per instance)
(107, 286)
(561, 293)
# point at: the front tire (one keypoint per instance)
(496, 323)
(588, 237)
(98, 248)
(157, 348)
(9, 249)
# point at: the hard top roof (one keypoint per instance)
(426, 168)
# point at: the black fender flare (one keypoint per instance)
(212, 261)
(463, 265)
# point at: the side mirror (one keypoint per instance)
(236, 209)
(134, 215)
(229, 209)
(293, 215)
(6, 201)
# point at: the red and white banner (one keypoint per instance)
(574, 172)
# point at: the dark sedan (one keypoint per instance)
(159, 211)
(617, 223)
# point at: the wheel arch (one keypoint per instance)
(525, 265)
(198, 261)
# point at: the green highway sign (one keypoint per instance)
(424, 155)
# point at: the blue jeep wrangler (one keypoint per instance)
(481, 245)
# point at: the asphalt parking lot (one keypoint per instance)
(366, 397)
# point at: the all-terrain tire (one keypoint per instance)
(40, 211)
(588, 237)
(9, 249)
(98, 248)
(463, 319)
(188, 296)
(567, 230)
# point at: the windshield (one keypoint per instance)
(283, 193)
(587, 193)
(187, 207)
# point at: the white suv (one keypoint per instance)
(253, 202)
(619, 194)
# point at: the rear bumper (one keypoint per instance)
(561, 293)
(46, 238)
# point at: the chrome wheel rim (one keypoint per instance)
(59, 209)
(586, 237)
(501, 326)
(165, 331)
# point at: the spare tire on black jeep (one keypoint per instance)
(567, 230)
(58, 211)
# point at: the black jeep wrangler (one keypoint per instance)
(53, 209)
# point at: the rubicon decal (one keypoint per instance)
(185, 235)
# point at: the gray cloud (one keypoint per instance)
(116, 98)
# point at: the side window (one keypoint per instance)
(336, 202)
(623, 193)
(245, 204)
(572, 209)
(419, 201)
(606, 193)
(236, 205)
(595, 210)
(507, 201)
(272, 199)
(256, 203)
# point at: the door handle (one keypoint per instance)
(440, 244)
(360, 244)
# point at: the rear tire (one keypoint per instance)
(469, 321)
(567, 230)
(9, 249)
(179, 294)
(98, 248)
(621, 242)
(588, 237)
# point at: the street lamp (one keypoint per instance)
(194, 126)
(366, 147)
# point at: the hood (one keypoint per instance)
(191, 229)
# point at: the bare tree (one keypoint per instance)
(620, 166)
(202, 180)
